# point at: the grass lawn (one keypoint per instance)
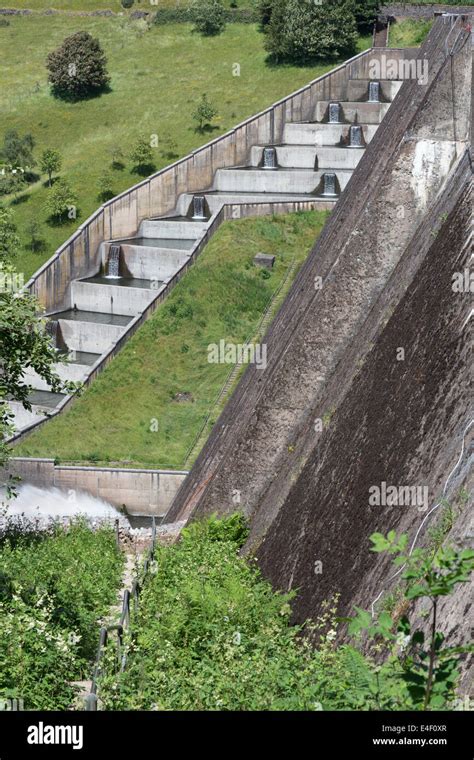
(221, 297)
(409, 32)
(157, 78)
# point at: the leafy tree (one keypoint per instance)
(204, 112)
(59, 200)
(127, 3)
(105, 186)
(141, 156)
(78, 68)
(9, 240)
(17, 151)
(366, 12)
(50, 162)
(209, 17)
(305, 32)
(427, 668)
(12, 182)
(23, 343)
(264, 10)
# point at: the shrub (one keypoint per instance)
(366, 12)
(209, 17)
(141, 156)
(204, 113)
(17, 151)
(127, 3)
(50, 162)
(12, 182)
(105, 186)
(60, 200)
(77, 68)
(9, 240)
(304, 32)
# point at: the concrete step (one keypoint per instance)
(309, 157)
(312, 133)
(42, 403)
(149, 262)
(164, 228)
(76, 373)
(358, 89)
(353, 111)
(91, 331)
(129, 298)
(216, 199)
(303, 181)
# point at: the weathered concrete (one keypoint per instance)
(142, 492)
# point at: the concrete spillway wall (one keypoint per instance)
(367, 376)
(158, 194)
(404, 168)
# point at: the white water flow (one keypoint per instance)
(46, 504)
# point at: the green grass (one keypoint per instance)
(157, 77)
(113, 5)
(221, 297)
(409, 33)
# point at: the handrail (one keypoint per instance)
(130, 604)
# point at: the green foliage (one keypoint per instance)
(105, 186)
(9, 240)
(204, 112)
(141, 155)
(127, 3)
(53, 587)
(78, 68)
(366, 12)
(305, 32)
(12, 182)
(50, 162)
(209, 17)
(427, 670)
(60, 200)
(17, 151)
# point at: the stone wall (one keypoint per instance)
(423, 11)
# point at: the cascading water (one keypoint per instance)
(269, 158)
(329, 184)
(113, 263)
(198, 207)
(355, 137)
(334, 113)
(52, 329)
(374, 92)
(41, 505)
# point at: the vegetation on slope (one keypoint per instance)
(409, 32)
(211, 634)
(157, 79)
(149, 405)
(53, 588)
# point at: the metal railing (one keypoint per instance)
(130, 605)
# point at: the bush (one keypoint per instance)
(77, 68)
(204, 113)
(209, 17)
(304, 32)
(12, 183)
(9, 240)
(53, 588)
(59, 200)
(188, 15)
(366, 12)
(17, 151)
(141, 156)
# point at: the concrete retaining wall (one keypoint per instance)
(424, 11)
(158, 194)
(142, 492)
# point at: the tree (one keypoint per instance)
(127, 3)
(305, 32)
(141, 156)
(9, 240)
(78, 68)
(264, 10)
(17, 151)
(104, 185)
(24, 344)
(204, 112)
(60, 199)
(51, 161)
(366, 12)
(209, 17)
(12, 182)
